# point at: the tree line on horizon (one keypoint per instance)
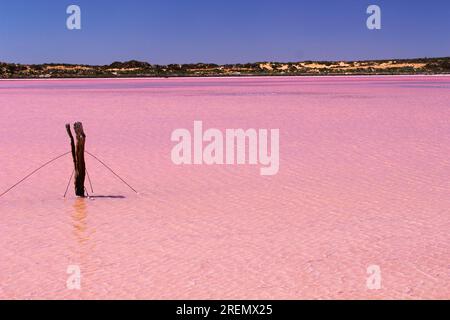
(134, 68)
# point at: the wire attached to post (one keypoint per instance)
(67, 188)
(68, 184)
(112, 171)
(90, 182)
(29, 175)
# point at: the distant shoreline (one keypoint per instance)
(137, 69)
(231, 77)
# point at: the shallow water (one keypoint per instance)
(364, 180)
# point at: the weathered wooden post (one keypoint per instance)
(78, 156)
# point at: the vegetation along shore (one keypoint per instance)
(144, 69)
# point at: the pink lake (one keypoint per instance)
(364, 180)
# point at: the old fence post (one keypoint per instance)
(78, 156)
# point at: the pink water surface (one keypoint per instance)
(364, 180)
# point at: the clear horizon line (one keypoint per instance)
(223, 64)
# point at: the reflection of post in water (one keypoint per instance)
(79, 220)
(80, 252)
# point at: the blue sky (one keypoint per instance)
(221, 31)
